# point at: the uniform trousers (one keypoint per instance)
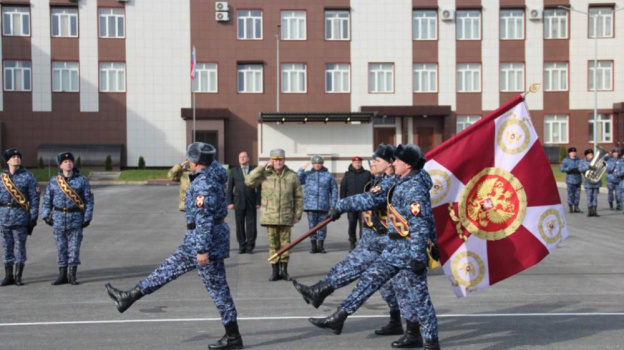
(279, 236)
(14, 239)
(68, 246)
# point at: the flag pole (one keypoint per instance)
(194, 139)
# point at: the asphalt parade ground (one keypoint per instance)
(573, 299)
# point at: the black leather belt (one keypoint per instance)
(9, 205)
(382, 231)
(67, 210)
(192, 225)
(395, 235)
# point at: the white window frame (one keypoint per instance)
(206, 78)
(112, 76)
(65, 77)
(464, 121)
(381, 78)
(294, 78)
(469, 77)
(425, 77)
(249, 24)
(64, 22)
(15, 21)
(293, 25)
(468, 23)
(511, 24)
(605, 128)
(556, 76)
(19, 74)
(337, 78)
(555, 24)
(249, 78)
(111, 17)
(559, 123)
(511, 76)
(605, 76)
(424, 25)
(337, 25)
(600, 22)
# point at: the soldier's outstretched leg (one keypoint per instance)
(411, 339)
(124, 299)
(314, 294)
(231, 340)
(19, 270)
(394, 327)
(333, 322)
(8, 275)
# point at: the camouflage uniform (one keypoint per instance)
(13, 219)
(613, 180)
(320, 193)
(591, 189)
(206, 209)
(620, 172)
(180, 174)
(400, 255)
(68, 219)
(282, 202)
(573, 179)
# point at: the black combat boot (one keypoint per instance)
(8, 275)
(590, 211)
(610, 205)
(332, 323)
(411, 338)
(577, 209)
(71, 275)
(571, 209)
(19, 270)
(596, 211)
(124, 298)
(432, 345)
(394, 327)
(313, 249)
(284, 271)
(275, 274)
(62, 277)
(231, 340)
(314, 294)
(320, 247)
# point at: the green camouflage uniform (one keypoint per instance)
(282, 202)
(180, 174)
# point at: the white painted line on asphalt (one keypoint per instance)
(175, 320)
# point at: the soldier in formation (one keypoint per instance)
(570, 166)
(613, 178)
(206, 244)
(68, 207)
(591, 188)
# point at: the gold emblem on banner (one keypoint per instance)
(493, 204)
(550, 226)
(513, 136)
(468, 269)
(441, 186)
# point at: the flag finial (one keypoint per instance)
(532, 89)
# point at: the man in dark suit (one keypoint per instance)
(245, 201)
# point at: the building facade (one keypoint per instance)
(334, 77)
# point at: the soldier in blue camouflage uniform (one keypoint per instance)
(206, 244)
(591, 189)
(19, 209)
(570, 166)
(620, 173)
(320, 193)
(613, 180)
(68, 207)
(405, 257)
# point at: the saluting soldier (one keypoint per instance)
(19, 209)
(410, 220)
(206, 244)
(68, 207)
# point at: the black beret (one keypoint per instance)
(410, 154)
(10, 153)
(64, 156)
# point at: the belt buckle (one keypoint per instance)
(8, 205)
(65, 210)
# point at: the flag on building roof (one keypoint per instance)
(193, 64)
(495, 200)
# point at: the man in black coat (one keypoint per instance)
(245, 201)
(353, 183)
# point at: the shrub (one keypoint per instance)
(78, 163)
(141, 162)
(108, 164)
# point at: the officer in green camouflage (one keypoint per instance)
(282, 206)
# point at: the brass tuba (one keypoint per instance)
(597, 166)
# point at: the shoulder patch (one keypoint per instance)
(375, 189)
(415, 208)
(199, 201)
(37, 189)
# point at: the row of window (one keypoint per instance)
(64, 23)
(557, 127)
(337, 77)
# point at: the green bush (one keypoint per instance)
(78, 163)
(563, 152)
(141, 162)
(108, 164)
(40, 164)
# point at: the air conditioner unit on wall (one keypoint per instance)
(447, 15)
(535, 14)
(221, 6)
(222, 16)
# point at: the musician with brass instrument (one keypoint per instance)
(613, 178)
(570, 166)
(592, 168)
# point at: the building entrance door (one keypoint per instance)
(383, 135)
(424, 138)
